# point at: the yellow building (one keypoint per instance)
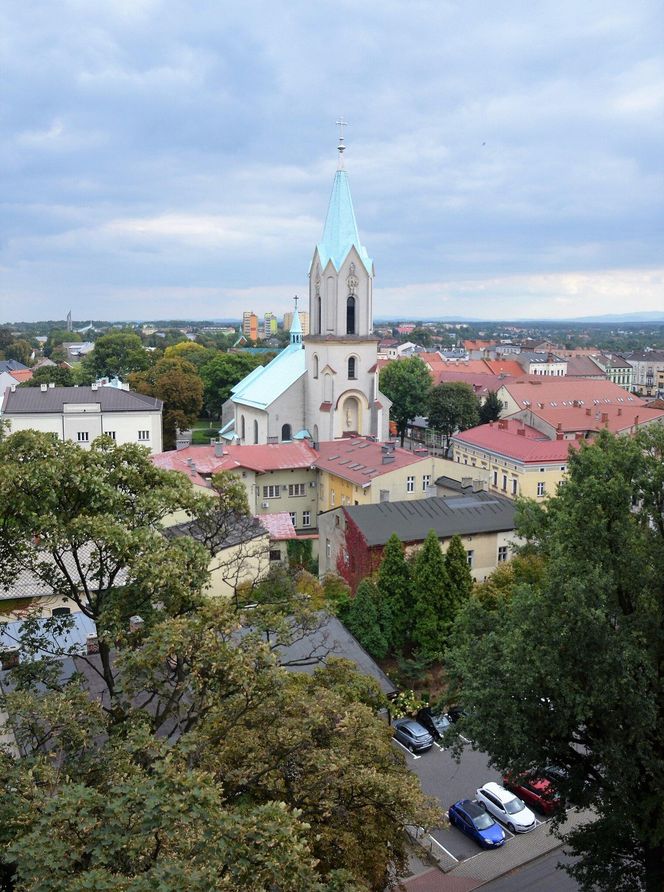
(519, 459)
(357, 471)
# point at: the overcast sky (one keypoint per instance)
(166, 159)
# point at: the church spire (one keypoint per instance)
(296, 326)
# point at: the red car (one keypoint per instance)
(534, 791)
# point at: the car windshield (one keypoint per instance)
(441, 722)
(512, 806)
(482, 822)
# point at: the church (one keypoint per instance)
(323, 386)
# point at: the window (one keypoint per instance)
(332, 496)
(495, 478)
(111, 434)
(410, 484)
(541, 488)
(502, 553)
(319, 315)
(84, 436)
(469, 556)
(350, 315)
(352, 368)
(296, 489)
(242, 428)
(271, 492)
(275, 554)
(293, 517)
(306, 518)
(315, 364)
(144, 435)
(426, 480)
(285, 432)
(328, 549)
(60, 611)
(504, 482)
(514, 487)
(255, 431)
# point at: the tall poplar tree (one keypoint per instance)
(458, 571)
(430, 599)
(394, 584)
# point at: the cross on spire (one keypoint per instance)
(341, 148)
(295, 299)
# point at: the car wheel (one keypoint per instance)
(411, 748)
(511, 829)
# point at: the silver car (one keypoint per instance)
(412, 735)
(508, 808)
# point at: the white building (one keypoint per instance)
(323, 386)
(83, 413)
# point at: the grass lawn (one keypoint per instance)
(204, 430)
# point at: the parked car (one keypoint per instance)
(456, 712)
(507, 807)
(412, 735)
(436, 723)
(476, 822)
(538, 792)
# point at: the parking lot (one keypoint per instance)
(448, 781)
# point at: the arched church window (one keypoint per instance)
(315, 361)
(350, 315)
(319, 315)
(316, 434)
(242, 427)
(255, 431)
(286, 432)
(352, 368)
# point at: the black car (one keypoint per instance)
(436, 723)
(456, 712)
(412, 735)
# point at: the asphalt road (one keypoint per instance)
(537, 876)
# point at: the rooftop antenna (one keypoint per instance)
(341, 148)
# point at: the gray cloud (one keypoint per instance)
(158, 148)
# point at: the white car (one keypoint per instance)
(507, 807)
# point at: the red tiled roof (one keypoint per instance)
(272, 457)
(613, 417)
(547, 389)
(479, 383)
(471, 344)
(279, 525)
(531, 447)
(504, 367)
(360, 461)
(583, 367)
(22, 375)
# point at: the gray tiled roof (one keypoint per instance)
(31, 400)
(466, 515)
(11, 365)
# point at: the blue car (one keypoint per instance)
(474, 821)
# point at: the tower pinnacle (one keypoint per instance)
(341, 148)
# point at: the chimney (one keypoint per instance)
(636, 421)
(43, 387)
(560, 435)
(619, 410)
(466, 482)
(521, 432)
(51, 385)
(502, 424)
(95, 386)
(13, 388)
(588, 411)
(136, 623)
(605, 417)
(491, 424)
(387, 459)
(218, 449)
(479, 485)
(9, 658)
(559, 426)
(92, 644)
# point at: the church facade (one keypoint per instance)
(323, 386)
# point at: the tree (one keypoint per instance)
(194, 353)
(61, 376)
(19, 350)
(177, 383)
(394, 583)
(59, 336)
(459, 575)
(86, 525)
(406, 382)
(491, 408)
(592, 701)
(116, 355)
(368, 619)
(431, 609)
(235, 775)
(221, 373)
(453, 407)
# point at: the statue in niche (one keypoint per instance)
(352, 281)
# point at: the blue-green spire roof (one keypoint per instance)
(340, 232)
(296, 328)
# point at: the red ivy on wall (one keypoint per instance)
(357, 560)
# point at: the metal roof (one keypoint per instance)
(411, 521)
(340, 233)
(265, 384)
(34, 400)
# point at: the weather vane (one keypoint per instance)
(341, 148)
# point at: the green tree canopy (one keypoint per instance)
(567, 669)
(20, 350)
(459, 575)
(177, 383)
(491, 408)
(453, 407)
(430, 592)
(117, 354)
(61, 376)
(407, 383)
(221, 373)
(394, 583)
(368, 618)
(194, 353)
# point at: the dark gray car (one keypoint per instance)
(412, 735)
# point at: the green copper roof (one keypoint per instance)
(340, 232)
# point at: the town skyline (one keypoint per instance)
(507, 164)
